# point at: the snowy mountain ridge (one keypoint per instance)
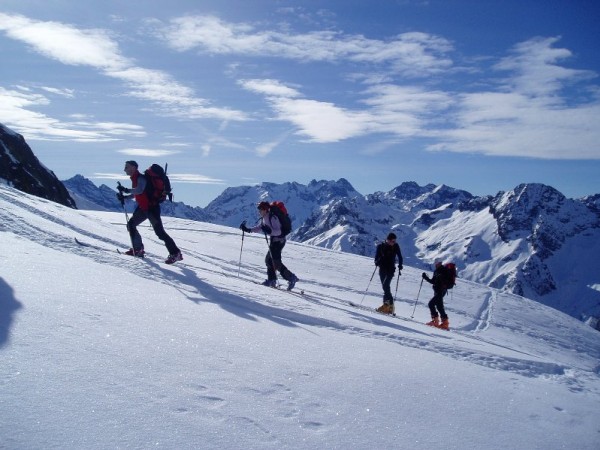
(103, 198)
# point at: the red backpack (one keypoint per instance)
(158, 185)
(450, 275)
(278, 209)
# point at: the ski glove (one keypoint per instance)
(244, 228)
(266, 229)
(424, 276)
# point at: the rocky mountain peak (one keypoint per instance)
(22, 169)
(539, 211)
(410, 190)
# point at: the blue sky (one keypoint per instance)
(479, 95)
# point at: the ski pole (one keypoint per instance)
(170, 194)
(367, 289)
(240, 263)
(413, 313)
(395, 294)
(127, 227)
(397, 280)
(120, 188)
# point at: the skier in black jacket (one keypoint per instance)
(385, 259)
(436, 304)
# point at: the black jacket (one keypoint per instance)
(385, 257)
(438, 280)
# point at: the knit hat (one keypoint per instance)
(391, 237)
(264, 205)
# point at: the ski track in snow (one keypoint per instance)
(290, 308)
(484, 315)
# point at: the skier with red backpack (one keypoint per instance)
(274, 222)
(443, 278)
(148, 194)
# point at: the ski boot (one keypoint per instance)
(139, 253)
(292, 282)
(270, 283)
(435, 322)
(174, 258)
(445, 325)
(386, 309)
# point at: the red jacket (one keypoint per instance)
(141, 198)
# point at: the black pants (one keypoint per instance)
(274, 263)
(153, 216)
(386, 278)
(436, 304)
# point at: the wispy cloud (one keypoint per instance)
(97, 49)
(64, 43)
(404, 87)
(195, 179)
(147, 152)
(528, 115)
(173, 98)
(16, 111)
(408, 53)
(269, 88)
(186, 178)
(109, 176)
(267, 147)
(396, 110)
(534, 64)
(70, 93)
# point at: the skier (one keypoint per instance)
(146, 209)
(385, 259)
(436, 304)
(270, 225)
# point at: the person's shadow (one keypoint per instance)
(8, 306)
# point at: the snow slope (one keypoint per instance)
(100, 350)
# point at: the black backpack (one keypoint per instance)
(158, 185)
(278, 209)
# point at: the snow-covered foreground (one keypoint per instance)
(101, 350)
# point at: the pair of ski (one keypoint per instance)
(366, 308)
(97, 247)
(281, 288)
(407, 319)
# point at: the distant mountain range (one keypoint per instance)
(531, 241)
